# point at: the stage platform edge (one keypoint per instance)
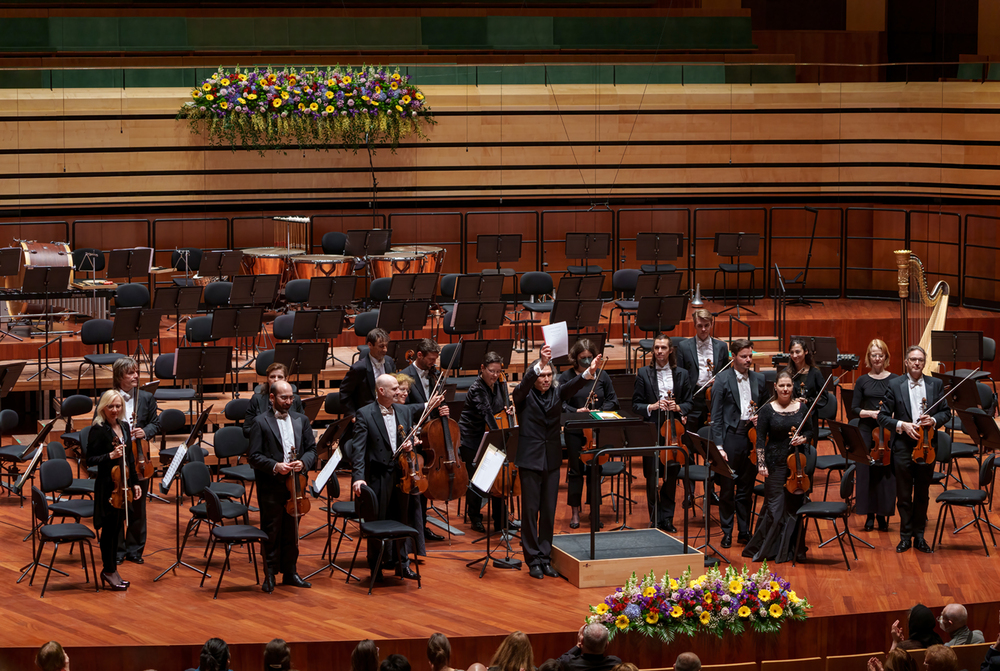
(617, 554)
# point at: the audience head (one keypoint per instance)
(395, 663)
(899, 660)
(594, 639)
(514, 653)
(365, 656)
(277, 656)
(52, 657)
(551, 665)
(438, 651)
(921, 626)
(378, 343)
(940, 658)
(953, 617)
(626, 666)
(687, 661)
(214, 656)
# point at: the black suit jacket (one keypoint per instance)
(100, 443)
(646, 390)
(417, 394)
(538, 415)
(147, 414)
(726, 402)
(266, 451)
(687, 357)
(578, 660)
(357, 389)
(259, 404)
(897, 407)
(371, 451)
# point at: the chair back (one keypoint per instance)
(989, 349)
(55, 450)
(334, 242)
(987, 399)
(332, 405)
(624, 281)
(264, 359)
(942, 447)
(213, 508)
(828, 411)
(297, 291)
(39, 506)
(230, 442)
(172, 421)
(96, 331)
(847, 483)
(367, 504)
(190, 261)
(217, 293)
(536, 283)
(195, 455)
(163, 367)
(448, 283)
(55, 474)
(195, 478)
(132, 295)
(84, 264)
(986, 472)
(8, 421)
(379, 290)
(199, 329)
(74, 405)
(236, 409)
(84, 439)
(282, 326)
(449, 357)
(365, 322)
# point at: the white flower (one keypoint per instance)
(698, 609)
(763, 612)
(724, 612)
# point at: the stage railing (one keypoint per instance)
(755, 227)
(881, 278)
(816, 263)
(940, 255)
(982, 259)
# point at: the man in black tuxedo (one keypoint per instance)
(261, 400)
(141, 405)
(903, 412)
(538, 403)
(281, 443)
(357, 389)
(379, 430)
(662, 387)
(694, 355)
(732, 414)
(588, 653)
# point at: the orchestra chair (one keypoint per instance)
(297, 291)
(195, 479)
(804, 664)
(334, 242)
(737, 269)
(96, 332)
(379, 289)
(828, 462)
(163, 369)
(536, 285)
(186, 263)
(831, 511)
(230, 443)
(381, 530)
(84, 437)
(236, 410)
(281, 329)
(70, 407)
(847, 398)
(942, 455)
(173, 422)
(92, 265)
(55, 476)
(363, 323)
(10, 455)
(447, 289)
(974, 499)
(623, 284)
(68, 532)
(989, 355)
(335, 510)
(242, 534)
(225, 490)
(852, 662)
(198, 330)
(132, 295)
(217, 294)
(79, 486)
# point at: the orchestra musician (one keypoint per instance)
(581, 354)
(905, 399)
(358, 388)
(141, 406)
(693, 355)
(807, 381)
(379, 430)
(662, 387)
(538, 402)
(282, 444)
(261, 400)
(876, 482)
(732, 394)
(484, 399)
(110, 438)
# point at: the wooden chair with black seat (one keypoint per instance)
(195, 478)
(55, 476)
(830, 511)
(69, 532)
(974, 499)
(97, 333)
(384, 531)
(233, 534)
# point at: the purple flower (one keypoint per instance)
(633, 612)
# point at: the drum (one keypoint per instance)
(396, 263)
(38, 255)
(308, 266)
(432, 257)
(269, 261)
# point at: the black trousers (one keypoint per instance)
(667, 489)
(112, 522)
(132, 541)
(281, 551)
(913, 482)
(539, 494)
(474, 502)
(735, 495)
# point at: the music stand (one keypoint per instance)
(130, 262)
(413, 286)
(824, 349)
(580, 287)
(801, 278)
(302, 358)
(177, 300)
(10, 266)
(658, 284)
(738, 245)
(137, 324)
(656, 247)
(319, 325)
(598, 338)
(9, 373)
(254, 289)
(478, 288)
(47, 280)
(578, 315)
(587, 246)
(201, 363)
(221, 263)
(504, 441)
(716, 463)
(966, 396)
(243, 323)
(659, 314)
(473, 317)
(362, 243)
(333, 292)
(955, 346)
(498, 249)
(398, 349)
(405, 316)
(472, 352)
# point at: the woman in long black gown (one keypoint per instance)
(876, 483)
(775, 534)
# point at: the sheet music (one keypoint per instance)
(168, 478)
(488, 469)
(328, 470)
(35, 458)
(557, 337)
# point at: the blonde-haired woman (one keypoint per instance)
(876, 484)
(109, 439)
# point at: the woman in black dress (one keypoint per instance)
(807, 381)
(580, 355)
(876, 483)
(109, 438)
(775, 534)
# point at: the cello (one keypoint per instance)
(881, 437)
(507, 482)
(446, 477)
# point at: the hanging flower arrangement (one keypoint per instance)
(263, 108)
(714, 603)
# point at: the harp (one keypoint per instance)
(921, 310)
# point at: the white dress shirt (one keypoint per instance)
(704, 348)
(389, 417)
(287, 435)
(425, 380)
(743, 384)
(377, 366)
(129, 405)
(918, 393)
(664, 383)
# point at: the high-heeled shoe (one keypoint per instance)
(883, 523)
(870, 523)
(115, 583)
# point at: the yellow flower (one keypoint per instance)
(775, 586)
(743, 611)
(225, 82)
(705, 617)
(775, 610)
(302, 106)
(215, 75)
(284, 95)
(252, 96)
(398, 108)
(276, 102)
(405, 100)
(601, 608)
(419, 96)
(330, 82)
(708, 597)
(793, 597)
(348, 93)
(649, 591)
(374, 102)
(394, 86)
(764, 595)
(378, 89)
(241, 101)
(313, 106)
(329, 109)
(653, 617)
(622, 622)
(396, 77)
(195, 94)
(694, 583)
(676, 611)
(673, 584)
(210, 97)
(224, 105)
(735, 586)
(242, 78)
(329, 94)
(365, 98)
(206, 86)
(346, 79)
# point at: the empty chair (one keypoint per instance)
(163, 369)
(974, 499)
(334, 242)
(195, 479)
(233, 534)
(54, 477)
(217, 294)
(72, 532)
(236, 410)
(832, 511)
(828, 462)
(199, 330)
(10, 455)
(379, 290)
(79, 486)
(231, 444)
(132, 296)
(74, 406)
(384, 531)
(173, 422)
(98, 333)
(282, 326)
(186, 260)
(297, 291)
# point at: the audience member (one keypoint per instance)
(365, 656)
(514, 654)
(991, 663)
(687, 661)
(954, 622)
(588, 653)
(439, 652)
(52, 657)
(551, 665)
(940, 658)
(626, 666)
(277, 656)
(896, 660)
(921, 628)
(214, 656)
(395, 663)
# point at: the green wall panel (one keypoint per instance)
(19, 34)
(517, 32)
(388, 32)
(153, 33)
(25, 79)
(84, 33)
(648, 74)
(580, 74)
(439, 32)
(87, 79)
(209, 33)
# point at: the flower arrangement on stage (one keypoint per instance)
(713, 603)
(265, 109)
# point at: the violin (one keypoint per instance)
(797, 481)
(143, 466)
(507, 482)
(413, 480)
(298, 504)
(923, 451)
(671, 431)
(708, 389)
(881, 436)
(121, 493)
(752, 432)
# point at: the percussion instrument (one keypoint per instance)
(307, 266)
(38, 255)
(396, 263)
(269, 261)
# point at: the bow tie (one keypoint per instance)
(658, 368)
(914, 385)
(386, 412)
(742, 378)
(125, 395)
(280, 415)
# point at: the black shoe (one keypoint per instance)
(727, 540)
(883, 523)
(714, 499)
(135, 559)
(549, 571)
(535, 572)
(431, 536)
(515, 524)
(743, 539)
(268, 585)
(295, 581)
(904, 545)
(574, 525)
(120, 560)
(922, 545)
(669, 526)
(405, 571)
(870, 523)
(477, 525)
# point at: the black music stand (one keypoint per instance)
(332, 292)
(137, 324)
(10, 266)
(302, 358)
(478, 288)
(577, 314)
(472, 352)
(737, 245)
(362, 243)
(128, 263)
(221, 263)
(254, 289)
(624, 432)
(413, 286)
(580, 287)
(587, 246)
(499, 249)
(658, 284)
(18, 484)
(473, 317)
(506, 441)
(9, 373)
(398, 349)
(18, 488)
(801, 278)
(659, 314)
(47, 280)
(955, 346)
(243, 323)
(201, 363)
(404, 316)
(319, 325)
(177, 300)
(656, 247)
(716, 463)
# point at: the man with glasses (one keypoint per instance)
(906, 401)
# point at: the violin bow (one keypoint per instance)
(950, 391)
(816, 400)
(427, 410)
(712, 379)
(596, 379)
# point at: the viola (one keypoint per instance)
(140, 448)
(446, 478)
(121, 493)
(752, 433)
(881, 436)
(708, 392)
(797, 481)
(671, 431)
(298, 503)
(413, 480)
(923, 451)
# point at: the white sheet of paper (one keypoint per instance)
(488, 469)
(324, 475)
(168, 477)
(557, 337)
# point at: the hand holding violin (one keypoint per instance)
(117, 452)
(799, 440)
(407, 446)
(138, 434)
(910, 429)
(137, 491)
(286, 468)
